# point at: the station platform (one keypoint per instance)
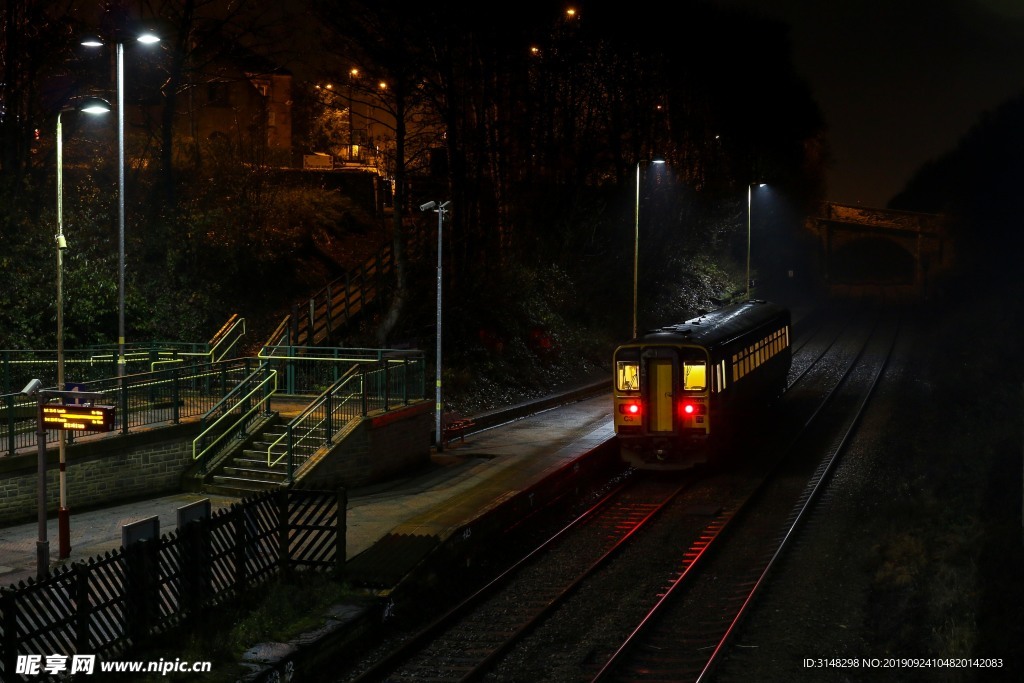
(390, 527)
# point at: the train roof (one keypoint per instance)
(719, 326)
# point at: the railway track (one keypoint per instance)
(652, 581)
(464, 642)
(665, 646)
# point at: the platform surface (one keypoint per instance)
(463, 481)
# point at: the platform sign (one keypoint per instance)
(91, 418)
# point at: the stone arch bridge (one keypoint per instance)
(865, 250)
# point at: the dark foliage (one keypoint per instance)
(539, 149)
(979, 184)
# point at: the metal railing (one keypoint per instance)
(92, 363)
(233, 414)
(212, 391)
(321, 319)
(165, 396)
(364, 388)
(227, 338)
(17, 367)
(310, 370)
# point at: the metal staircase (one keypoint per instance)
(262, 463)
(320, 320)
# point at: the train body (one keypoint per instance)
(681, 391)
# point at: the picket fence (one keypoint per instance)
(109, 603)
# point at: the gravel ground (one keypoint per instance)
(915, 551)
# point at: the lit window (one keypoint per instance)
(695, 376)
(627, 376)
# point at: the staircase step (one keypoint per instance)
(246, 472)
(258, 454)
(276, 476)
(239, 484)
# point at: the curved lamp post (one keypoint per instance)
(145, 37)
(636, 239)
(750, 197)
(353, 74)
(88, 105)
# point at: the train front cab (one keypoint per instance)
(663, 411)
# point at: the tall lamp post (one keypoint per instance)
(441, 210)
(89, 105)
(34, 390)
(353, 74)
(750, 197)
(146, 37)
(636, 240)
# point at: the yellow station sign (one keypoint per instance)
(92, 418)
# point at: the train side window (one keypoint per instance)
(627, 376)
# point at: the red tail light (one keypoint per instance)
(632, 408)
(688, 408)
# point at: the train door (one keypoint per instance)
(660, 387)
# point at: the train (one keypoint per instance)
(681, 392)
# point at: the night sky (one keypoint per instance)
(899, 81)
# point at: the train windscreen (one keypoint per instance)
(695, 371)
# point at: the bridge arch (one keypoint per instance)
(873, 260)
(863, 249)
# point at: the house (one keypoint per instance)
(238, 104)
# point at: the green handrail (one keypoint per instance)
(270, 379)
(309, 419)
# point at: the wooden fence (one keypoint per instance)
(110, 603)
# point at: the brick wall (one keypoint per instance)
(101, 472)
(380, 447)
(116, 469)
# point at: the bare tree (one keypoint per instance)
(386, 39)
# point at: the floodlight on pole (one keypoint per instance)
(750, 198)
(636, 241)
(146, 37)
(89, 105)
(441, 209)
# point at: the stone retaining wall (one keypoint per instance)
(103, 471)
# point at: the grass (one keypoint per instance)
(277, 611)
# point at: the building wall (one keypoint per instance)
(250, 112)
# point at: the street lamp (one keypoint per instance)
(147, 38)
(353, 74)
(89, 105)
(750, 196)
(34, 389)
(441, 210)
(636, 239)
